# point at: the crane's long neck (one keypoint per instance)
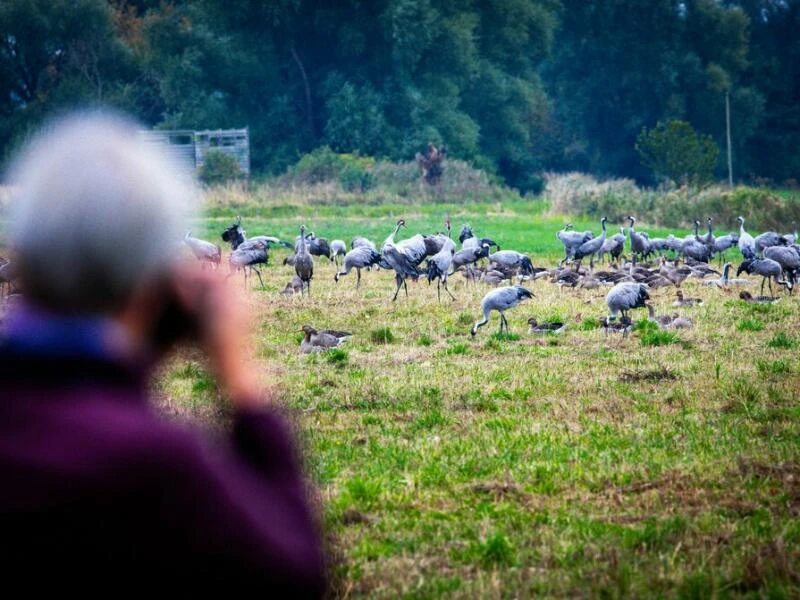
(390, 239)
(482, 322)
(302, 241)
(741, 228)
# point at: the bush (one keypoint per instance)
(219, 167)
(673, 150)
(580, 194)
(356, 173)
(322, 164)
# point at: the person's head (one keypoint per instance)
(96, 214)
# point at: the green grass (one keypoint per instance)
(382, 335)
(749, 325)
(781, 340)
(660, 465)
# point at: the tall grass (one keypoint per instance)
(582, 194)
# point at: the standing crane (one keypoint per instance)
(640, 245)
(303, 263)
(590, 248)
(501, 300)
(439, 267)
(747, 244)
(206, 252)
(403, 257)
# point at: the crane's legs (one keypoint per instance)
(399, 281)
(259, 276)
(358, 279)
(444, 284)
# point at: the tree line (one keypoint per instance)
(516, 87)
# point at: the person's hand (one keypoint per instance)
(222, 326)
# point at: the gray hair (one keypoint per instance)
(94, 214)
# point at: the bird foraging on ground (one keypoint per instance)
(623, 326)
(767, 268)
(624, 297)
(541, 328)
(319, 341)
(501, 300)
(360, 257)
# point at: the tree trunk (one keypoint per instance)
(307, 87)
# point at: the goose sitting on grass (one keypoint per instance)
(542, 328)
(682, 301)
(679, 322)
(748, 297)
(319, 341)
(295, 286)
(663, 321)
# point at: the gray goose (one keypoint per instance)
(319, 341)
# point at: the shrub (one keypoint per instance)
(219, 167)
(322, 164)
(355, 177)
(673, 150)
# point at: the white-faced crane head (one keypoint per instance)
(401, 223)
(740, 219)
(631, 219)
(603, 221)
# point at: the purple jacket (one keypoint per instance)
(95, 488)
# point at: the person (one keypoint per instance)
(98, 491)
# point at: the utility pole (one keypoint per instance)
(728, 132)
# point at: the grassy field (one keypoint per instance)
(514, 466)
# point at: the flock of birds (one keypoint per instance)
(652, 263)
(773, 256)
